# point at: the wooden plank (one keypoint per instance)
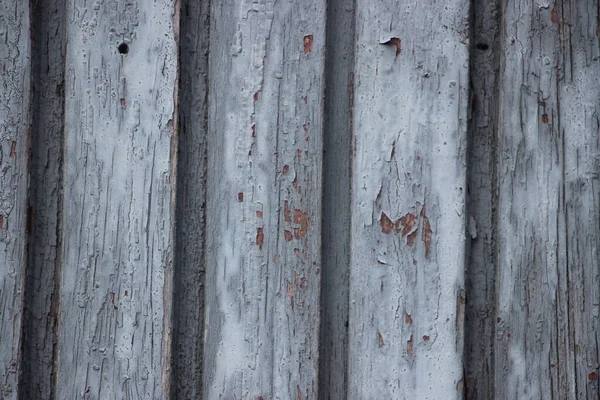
(408, 201)
(264, 199)
(480, 274)
(548, 235)
(15, 94)
(114, 338)
(333, 368)
(189, 270)
(43, 257)
(532, 352)
(578, 126)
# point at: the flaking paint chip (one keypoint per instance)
(395, 42)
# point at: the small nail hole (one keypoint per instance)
(482, 46)
(123, 48)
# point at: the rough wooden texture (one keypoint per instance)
(548, 234)
(114, 338)
(333, 367)
(189, 270)
(43, 259)
(578, 125)
(264, 199)
(15, 92)
(481, 269)
(408, 200)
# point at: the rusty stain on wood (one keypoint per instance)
(308, 40)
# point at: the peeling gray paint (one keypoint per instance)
(15, 114)
(115, 278)
(408, 200)
(313, 199)
(264, 199)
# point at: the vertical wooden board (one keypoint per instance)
(264, 199)
(114, 335)
(408, 200)
(480, 274)
(43, 257)
(333, 368)
(15, 92)
(578, 120)
(189, 268)
(533, 356)
(547, 331)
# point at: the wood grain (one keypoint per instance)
(480, 273)
(15, 114)
(119, 185)
(45, 196)
(264, 199)
(408, 200)
(188, 302)
(548, 235)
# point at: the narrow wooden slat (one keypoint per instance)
(15, 93)
(114, 336)
(480, 274)
(337, 160)
(264, 199)
(408, 200)
(189, 269)
(578, 126)
(43, 258)
(548, 233)
(532, 352)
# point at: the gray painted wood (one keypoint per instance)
(43, 258)
(189, 270)
(15, 93)
(114, 339)
(333, 367)
(548, 233)
(408, 200)
(578, 123)
(482, 201)
(264, 199)
(331, 204)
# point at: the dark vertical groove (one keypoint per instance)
(485, 53)
(188, 299)
(339, 66)
(36, 380)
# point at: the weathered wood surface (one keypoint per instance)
(15, 114)
(264, 199)
(333, 368)
(114, 338)
(188, 301)
(547, 223)
(306, 235)
(408, 200)
(480, 272)
(43, 257)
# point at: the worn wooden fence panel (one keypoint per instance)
(119, 178)
(356, 191)
(408, 200)
(264, 199)
(15, 114)
(547, 316)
